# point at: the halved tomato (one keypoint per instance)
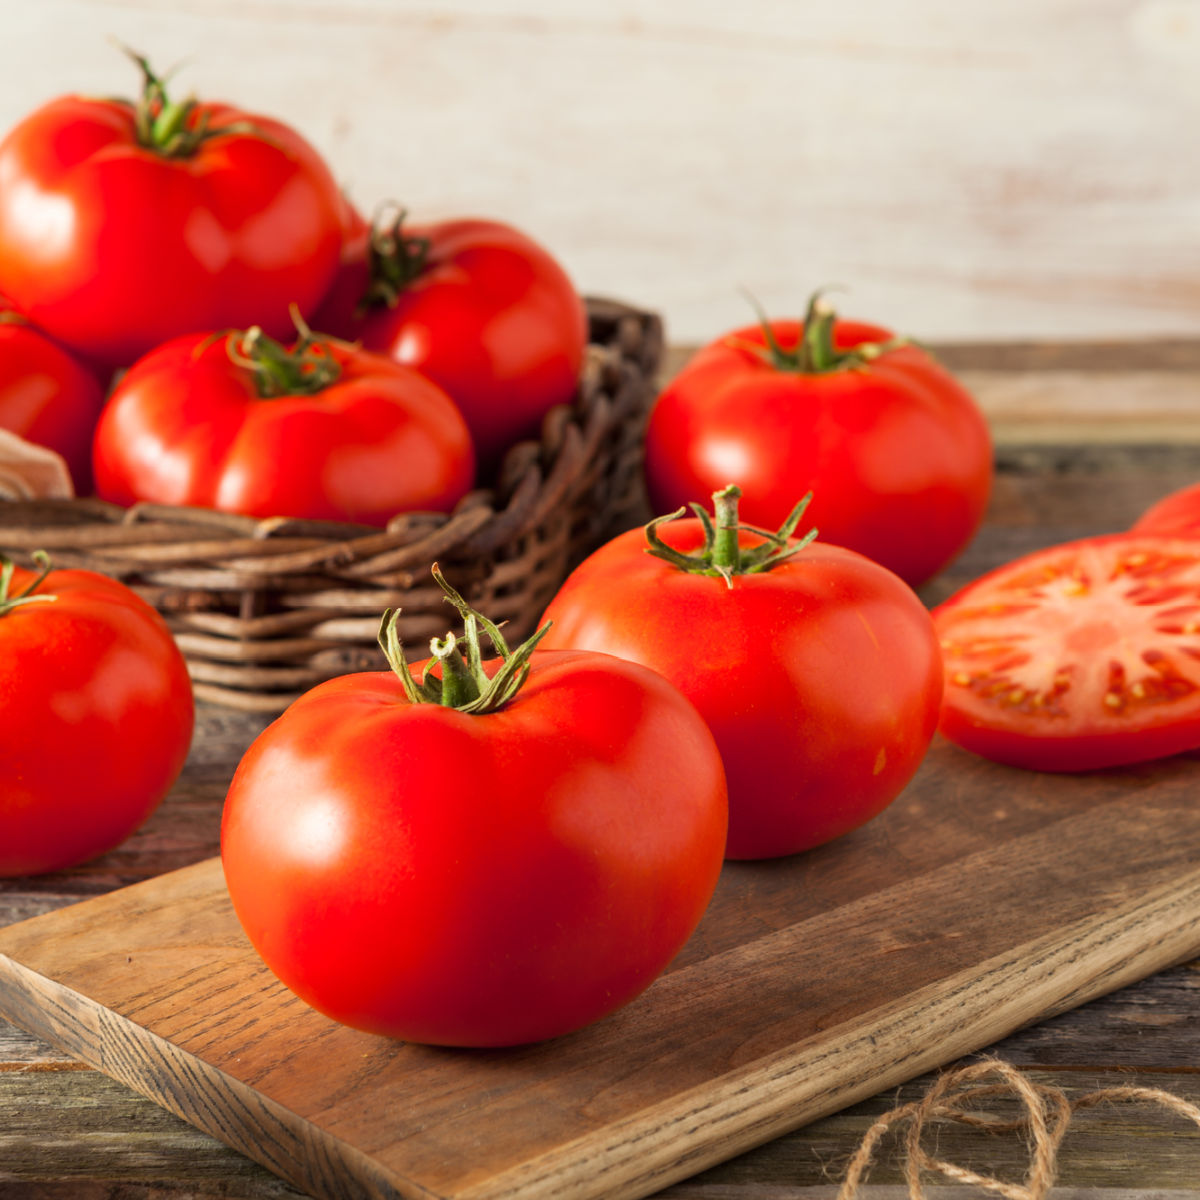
(1081, 656)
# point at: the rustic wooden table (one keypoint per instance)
(1087, 437)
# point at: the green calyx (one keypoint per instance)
(815, 352)
(394, 258)
(722, 554)
(7, 567)
(464, 684)
(307, 368)
(169, 127)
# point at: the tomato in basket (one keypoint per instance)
(488, 854)
(321, 429)
(47, 396)
(817, 669)
(96, 715)
(894, 450)
(1080, 656)
(476, 305)
(126, 223)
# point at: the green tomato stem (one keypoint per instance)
(815, 352)
(726, 552)
(459, 687)
(305, 370)
(395, 259)
(464, 683)
(27, 596)
(722, 553)
(166, 127)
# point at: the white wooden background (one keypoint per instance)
(967, 168)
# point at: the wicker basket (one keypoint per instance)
(265, 609)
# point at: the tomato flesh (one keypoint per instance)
(1081, 656)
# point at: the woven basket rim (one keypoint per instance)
(261, 607)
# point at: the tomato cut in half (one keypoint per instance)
(1080, 656)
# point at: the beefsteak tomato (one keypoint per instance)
(498, 856)
(1080, 656)
(96, 716)
(124, 224)
(816, 669)
(476, 305)
(47, 396)
(896, 453)
(322, 430)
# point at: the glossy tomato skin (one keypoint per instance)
(112, 248)
(96, 711)
(477, 880)
(492, 317)
(186, 425)
(896, 453)
(1077, 657)
(49, 397)
(820, 679)
(1175, 515)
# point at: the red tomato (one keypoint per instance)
(1176, 515)
(96, 712)
(819, 677)
(123, 224)
(478, 307)
(47, 397)
(895, 451)
(1081, 656)
(476, 878)
(324, 430)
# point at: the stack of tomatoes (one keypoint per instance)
(270, 351)
(192, 313)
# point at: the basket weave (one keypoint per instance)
(265, 609)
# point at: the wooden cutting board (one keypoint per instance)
(984, 899)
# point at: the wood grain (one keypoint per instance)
(982, 900)
(968, 170)
(68, 1133)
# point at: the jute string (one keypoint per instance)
(956, 1096)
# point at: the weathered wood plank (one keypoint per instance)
(120, 1151)
(970, 170)
(1151, 404)
(84, 1131)
(1111, 357)
(1130, 1149)
(89, 1136)
(748, 1033)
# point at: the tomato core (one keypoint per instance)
(1091, 637)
